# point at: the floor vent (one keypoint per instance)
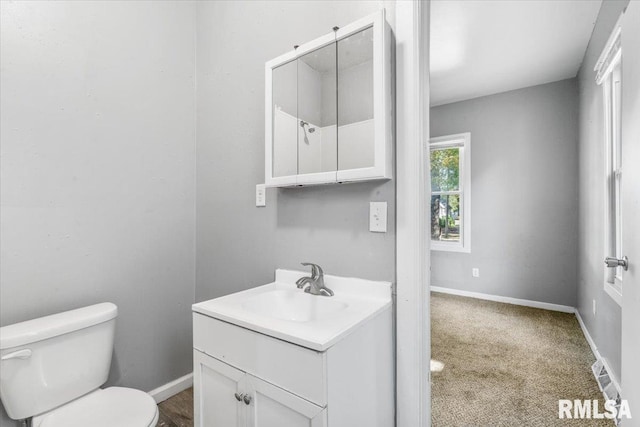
(607, 387)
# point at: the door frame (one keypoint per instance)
(630, 340)
(413, 337)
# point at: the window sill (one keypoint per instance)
(449, 248)
(613, 292)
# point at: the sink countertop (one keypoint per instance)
(363, 299)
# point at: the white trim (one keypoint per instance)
(608, 51)
(613, 292)
(611, 145)
(462, 140)
(172, 388)
(413, 337)
(596, 353)
(506, 300)
(451, 140)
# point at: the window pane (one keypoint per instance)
(445, 169)
(446, 218)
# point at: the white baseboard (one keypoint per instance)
(596, 353)
(507, 300)
(172, 388)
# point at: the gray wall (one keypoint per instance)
(605, 326)
(524, 194)
(239, 245)
(97, 173)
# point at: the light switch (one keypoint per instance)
(261, 195)
(378, 217)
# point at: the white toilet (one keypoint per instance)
(52, 368)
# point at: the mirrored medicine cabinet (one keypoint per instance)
(329, 108)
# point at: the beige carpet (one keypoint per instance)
(506, 365)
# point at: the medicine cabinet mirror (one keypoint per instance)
(329, 108)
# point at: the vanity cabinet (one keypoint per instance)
(246, 378)
(229, 397)
(329, 108)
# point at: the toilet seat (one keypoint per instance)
(113, 406)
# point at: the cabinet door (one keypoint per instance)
(215, 385)
(282, 124)
(364, 100)
(317, 111)
(271, 406)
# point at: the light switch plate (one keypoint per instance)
(261, 195)
(475, 272)
(378, 217)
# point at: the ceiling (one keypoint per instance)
(482, 47)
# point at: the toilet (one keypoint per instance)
(51, 370)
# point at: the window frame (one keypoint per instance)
(608, 71)
(463, 142)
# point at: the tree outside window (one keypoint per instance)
(448, 192)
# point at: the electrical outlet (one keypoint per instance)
(475, 272)
(261, 195)
(594, 307)
(378, 217)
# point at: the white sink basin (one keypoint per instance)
(283, 311)
(295, 306)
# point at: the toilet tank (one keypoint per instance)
(49, 361)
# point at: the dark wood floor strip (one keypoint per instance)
(177, 411)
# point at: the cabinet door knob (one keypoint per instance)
(247, 399)
(238, 397)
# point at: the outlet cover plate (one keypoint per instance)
(378, 217)
(261, 195)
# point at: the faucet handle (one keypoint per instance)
(314, 269)
(326, 292)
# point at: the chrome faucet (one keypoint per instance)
(315, 283)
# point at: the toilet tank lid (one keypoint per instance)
(39, 329)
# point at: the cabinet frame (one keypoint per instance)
(383, 107)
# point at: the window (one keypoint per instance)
(451, 193)
(609, 77)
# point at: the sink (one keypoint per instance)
(295, 306)
(281, 310)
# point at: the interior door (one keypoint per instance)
(271, 406)
(630, 203)
(217, 395)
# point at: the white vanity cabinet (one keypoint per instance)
(336, 370)
(229, 397)
(329, 108)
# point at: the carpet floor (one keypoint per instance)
(507, 365)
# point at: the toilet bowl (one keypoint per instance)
(51, 370)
